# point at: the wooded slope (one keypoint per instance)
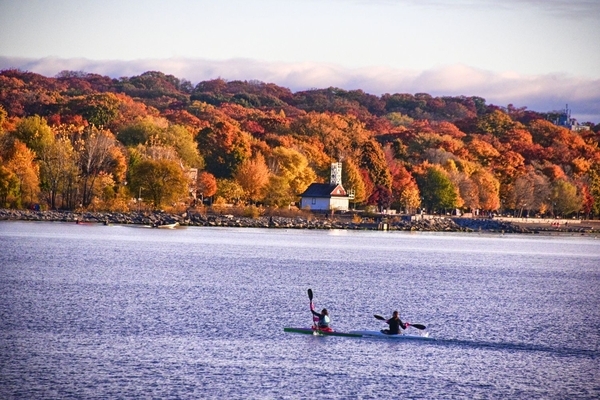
(85, 140)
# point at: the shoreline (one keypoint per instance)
(191, 218)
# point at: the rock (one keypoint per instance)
(432, 224)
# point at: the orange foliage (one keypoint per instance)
(231, 121)
(554, 172)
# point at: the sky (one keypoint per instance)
(539, 54)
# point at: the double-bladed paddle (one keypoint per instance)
(418, 326)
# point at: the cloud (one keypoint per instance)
(579, 9)
(536, 92)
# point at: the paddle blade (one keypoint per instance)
(310, 294)
(418, 326)
(379, 317)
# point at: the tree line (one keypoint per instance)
(86, 141)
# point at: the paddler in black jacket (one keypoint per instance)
(395, 324)
(323, 320)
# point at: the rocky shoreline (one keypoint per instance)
(158, 219)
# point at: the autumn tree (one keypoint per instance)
(60, 173)
(291, 175)
(223, 144)
(206, 185)
(544, 132)
(530, 192)
(381, 197)
(23, 165)
(253, 176)
(587, 200)
(488, 189)
(594, 188)
(3, 116)
(340, 135)
(483, 152)
(372, 158)
(352, 179)
(95, 151)
(405, 192)
(467, 188)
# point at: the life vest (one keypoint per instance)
(324, 321)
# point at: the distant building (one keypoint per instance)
(327, 196)
(565, 120)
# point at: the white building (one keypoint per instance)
(326, 196)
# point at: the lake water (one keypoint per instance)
(92, 311)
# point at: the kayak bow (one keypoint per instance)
(400, 336)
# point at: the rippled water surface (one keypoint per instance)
(98, 311)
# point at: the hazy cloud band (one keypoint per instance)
(536, 92)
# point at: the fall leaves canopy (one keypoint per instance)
(85, 140)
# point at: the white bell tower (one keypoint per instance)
(336, 173)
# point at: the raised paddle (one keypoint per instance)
(310, 297)
(418, 326)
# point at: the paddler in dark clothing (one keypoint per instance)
(323, 318)
(395, 324)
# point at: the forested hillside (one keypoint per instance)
(87, 141)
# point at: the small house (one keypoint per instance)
(326, 196)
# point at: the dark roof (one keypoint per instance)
(324, 190)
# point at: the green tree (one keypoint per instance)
(158, 132)
(100, 109)
(183, 141)
(140, 131)
(34, 132)
(496, 123)
(399, 119)
(8, 185)
(229, 191)
(566, 200)
(160, 181)
(437, 190)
